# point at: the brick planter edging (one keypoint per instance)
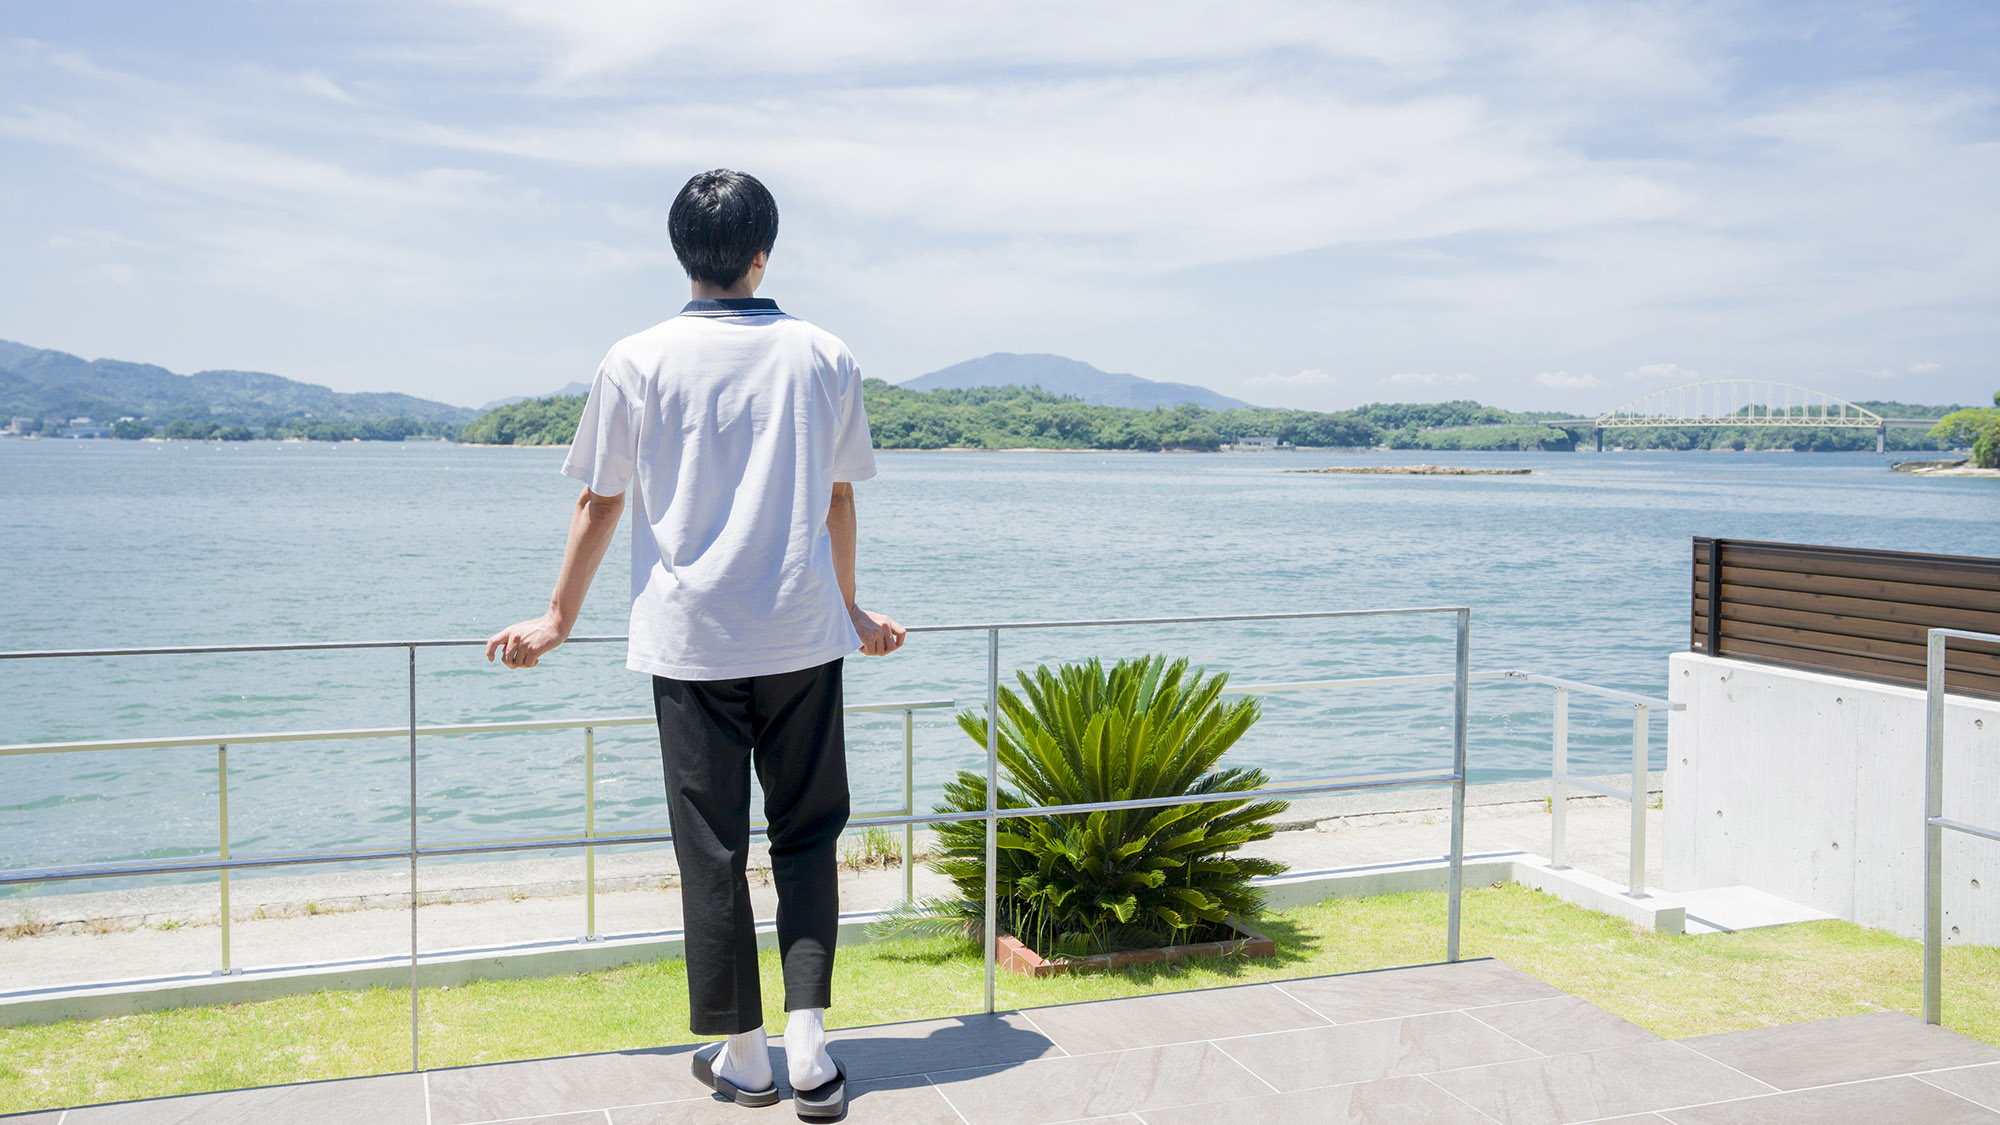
(1014, 957)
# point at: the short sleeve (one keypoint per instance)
(854, 450)
(605, 449)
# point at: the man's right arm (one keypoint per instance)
(592, 525)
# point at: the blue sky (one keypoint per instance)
(1316, 205)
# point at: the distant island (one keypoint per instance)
(1018, 417)
(43, 391)
(1051, 402)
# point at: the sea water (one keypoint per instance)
(1580, 569)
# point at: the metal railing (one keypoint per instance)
(907, 818)
(589, 838)
(1559, 775)
(1935, 822)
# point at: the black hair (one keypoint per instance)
(719, 222)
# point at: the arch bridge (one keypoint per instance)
(1747, 402)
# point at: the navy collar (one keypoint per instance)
(732, 306)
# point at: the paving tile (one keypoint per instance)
(928, 1046)
(1363, 1052)
(1846, 1049)
(1387, 1100)
(588, 1117)
(910, 1100)
(1173, 1017)
(1419, 991)
(1100, 1085)
(49, 1118)
(1631, 1119)
(1582, 1087)
(1562, 1025)
(1859, 1103)
(1976, 1083)
(565, 1085)
(393, 1099)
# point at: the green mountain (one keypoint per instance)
(45, 384)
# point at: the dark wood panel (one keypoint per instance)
(1926, 615)
(1862, 667)
(1846, 610)
(1845, 625)
(1835, 562)
(1891, 651)
(1906, 593)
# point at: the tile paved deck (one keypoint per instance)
(1475, 1042)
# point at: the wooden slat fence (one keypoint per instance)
(1845, 610)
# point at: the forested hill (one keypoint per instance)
(1029, 417)
(40, 383)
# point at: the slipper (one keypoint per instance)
(704, 1073)
(825, 1102)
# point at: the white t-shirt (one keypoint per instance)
(732, 421)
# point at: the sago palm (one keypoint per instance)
(1077, 883)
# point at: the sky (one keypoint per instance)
(1536, 205)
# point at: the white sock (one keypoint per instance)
(805, 1049)
(745, 1061)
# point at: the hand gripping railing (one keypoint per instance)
(1935, 822)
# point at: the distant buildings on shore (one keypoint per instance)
(1257, 445)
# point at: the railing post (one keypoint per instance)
(589, 830)
(1460, 703)
(415, 1057)
(1636, 875)
(1933, 834)
(1558, 798)
(909, 805)
(222, 819)
(992, 804)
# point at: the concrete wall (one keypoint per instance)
(1811, 787)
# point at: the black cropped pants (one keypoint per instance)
(788, 725)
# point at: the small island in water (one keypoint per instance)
(1417, 471)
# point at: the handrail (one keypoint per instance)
(465, 642)
(503, 727)
(907, 817)
(1935, 822)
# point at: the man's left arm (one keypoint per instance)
(880, 636)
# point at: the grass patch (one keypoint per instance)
(1676, 986)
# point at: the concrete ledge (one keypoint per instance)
(1303, 888)
(1654, 912)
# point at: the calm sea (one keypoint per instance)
(1579, 570)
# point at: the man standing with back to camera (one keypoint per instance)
(740, 430)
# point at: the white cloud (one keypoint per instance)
(1432, 379)
(1886, 373)
(1310, 377)
(1564, 381)
(1662, 372)
(1444, 187)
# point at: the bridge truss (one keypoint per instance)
(1739, 402)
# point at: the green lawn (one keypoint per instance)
(1675, 986)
